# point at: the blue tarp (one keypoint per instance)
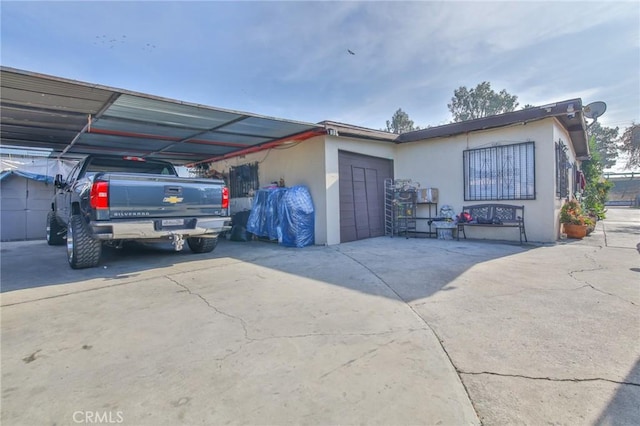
(264, 218)
(27, 175)
(285, 214)
(297, 218)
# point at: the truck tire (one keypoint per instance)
(202, 245)
(55, 232)
(83, 251)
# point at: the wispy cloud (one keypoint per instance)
(291, 59)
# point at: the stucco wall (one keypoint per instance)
(438, 163)
(560, 135)
(298, 164)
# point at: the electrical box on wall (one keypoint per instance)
(427, 195)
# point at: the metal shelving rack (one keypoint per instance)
(400, 207)
(389, 190)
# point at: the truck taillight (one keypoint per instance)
(225, 197)
(100, 195)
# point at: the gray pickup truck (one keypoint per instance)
(111, 200)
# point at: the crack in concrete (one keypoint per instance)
(302, 336)
(422, 319)
(548, 379)
(586, 283)
(513, 293)
(608, 294)
(353, 360)
(292, 336)
(348, 363)
(240, 320)
(71, 293)
(108, 286)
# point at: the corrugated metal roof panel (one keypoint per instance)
(142, 128)
(233, 138)
(258, 126)
(42, 119)
(162, 112)
(49, 85)
(30, 133)
(51, 112)
(39, 100)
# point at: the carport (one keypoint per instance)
(74, 118)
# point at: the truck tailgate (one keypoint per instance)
(144, 195)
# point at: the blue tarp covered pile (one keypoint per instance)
(285, 214)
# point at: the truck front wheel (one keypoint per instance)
(55, 232)
(202, 245)
(83, 251)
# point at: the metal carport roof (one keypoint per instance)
(74, 118)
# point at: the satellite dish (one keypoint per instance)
(594, 110)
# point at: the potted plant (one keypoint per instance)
(573, 220)
(590, 221)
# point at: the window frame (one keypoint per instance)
(243, 180)
(511, 181)
(563, 187)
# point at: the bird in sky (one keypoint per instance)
(350, 52)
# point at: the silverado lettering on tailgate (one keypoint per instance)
(129, 214)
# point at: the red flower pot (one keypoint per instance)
(575, 231)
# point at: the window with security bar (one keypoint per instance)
(243, 180)
(562, 170)
(504, 172)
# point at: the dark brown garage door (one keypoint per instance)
(362, 195)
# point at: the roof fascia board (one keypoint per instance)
(495, 121)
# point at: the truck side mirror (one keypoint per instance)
(58, 181)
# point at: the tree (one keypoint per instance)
(605, 143)
(480, 102)
(400, 123)
(630, 145)
(596, 191)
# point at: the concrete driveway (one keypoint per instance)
(380, 331)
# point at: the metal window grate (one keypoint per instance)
(243, 180)
(562, 171)
(505, 172)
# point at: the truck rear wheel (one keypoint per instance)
(55, 232)
(202, 245)
(83, 251)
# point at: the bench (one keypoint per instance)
(494, 216)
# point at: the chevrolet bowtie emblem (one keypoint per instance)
(173, 199)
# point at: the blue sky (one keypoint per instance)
(290, 59)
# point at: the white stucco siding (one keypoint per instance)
(302, 163)
(333, 144)
(561, 135)
(438, 163)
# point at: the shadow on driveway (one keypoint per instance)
(417, 267)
